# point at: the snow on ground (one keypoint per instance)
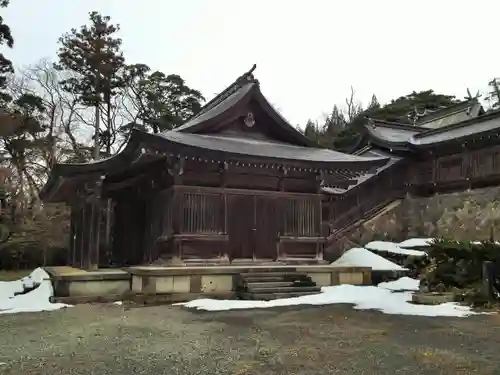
(394, 248)
(33, 301)
(392, 297)
(380, 298)
(360, 257)
(403, 283)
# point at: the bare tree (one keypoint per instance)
(70, 124)
(353, 107)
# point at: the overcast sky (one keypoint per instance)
(308, 53)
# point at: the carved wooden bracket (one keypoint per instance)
(175, 166)
(281, 179)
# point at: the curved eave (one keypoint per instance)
(161, 143)
(374, 138)
(70, 173)
(485, 125)
(490, 136)
(63, 172)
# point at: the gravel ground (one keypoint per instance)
(111, 339)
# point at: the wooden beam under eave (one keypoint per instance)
(338, 181)
(114, 186)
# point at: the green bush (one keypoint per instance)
(458, 264)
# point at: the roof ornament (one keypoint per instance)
(249, 120)
(371, 123)
(469, 96)
(248, 76)
(415, 115)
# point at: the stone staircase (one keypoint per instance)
(273, 285)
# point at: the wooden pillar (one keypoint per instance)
(119, 232)
(72, 236)
(94, 233)
(77, 262)
(86, 236)
(319, 232)
(176, 170)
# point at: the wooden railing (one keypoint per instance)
(202, 213)
(364, 201)
(301, 217)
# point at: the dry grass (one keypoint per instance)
(445, 360)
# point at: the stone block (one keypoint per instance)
(181, 284)
(321, 278)
(353, 278)
(216, 283)
(98, 287)
(136, 284)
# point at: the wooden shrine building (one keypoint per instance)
(235, 183)
(452, 149)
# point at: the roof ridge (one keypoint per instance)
(245, 78)
(394, 125)
(488, 116)
(435, 114)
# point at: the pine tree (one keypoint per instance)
(94, 53)
(162, 102)
(374, 104)
(6, 67)
(494, 94)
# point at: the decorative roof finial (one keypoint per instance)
(249, 75)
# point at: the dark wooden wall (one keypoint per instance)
(211, 223)
(248, 177)
(459, 171)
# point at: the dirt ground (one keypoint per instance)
(111, 339)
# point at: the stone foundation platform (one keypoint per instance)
(152, 285)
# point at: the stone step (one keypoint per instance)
(262, 279)
(272, 296)
(272, 274)
(284, 289)
(279, 284)
(269, 284)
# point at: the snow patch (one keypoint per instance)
(360, 257)
(394, 248)
(35, 300)
(416, 242)
(363, 297)
(404, 283)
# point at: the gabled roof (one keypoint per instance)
(390, 134)
(240, 92)
(408, 138)
(452, 114)
(198, 139)
(490, 122)
(262, 149)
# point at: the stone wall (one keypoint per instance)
(471, 215)
(467, 215)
